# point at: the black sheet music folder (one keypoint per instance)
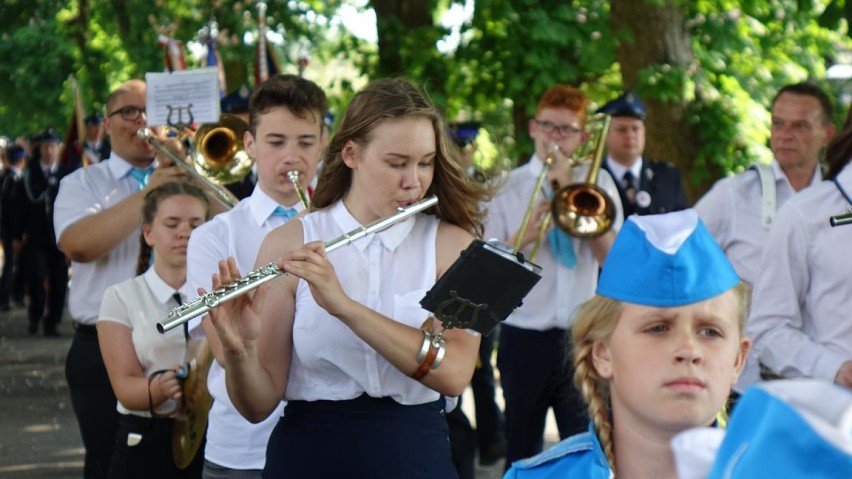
(482, 287)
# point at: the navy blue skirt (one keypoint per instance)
(365, 437)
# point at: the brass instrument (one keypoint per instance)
(219, 153)
(222, 196)
(293, 176)
(539, 183)
(585, 210)
(190, 428)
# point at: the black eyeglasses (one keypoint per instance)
(129, 113)
(564, 130)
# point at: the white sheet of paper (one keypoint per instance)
(185, 96)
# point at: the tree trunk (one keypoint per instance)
(655, 36)
(394, 19)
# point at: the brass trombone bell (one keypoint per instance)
(585, 210)
(219, 153)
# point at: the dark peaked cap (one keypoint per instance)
(94, 119)
(627, 104)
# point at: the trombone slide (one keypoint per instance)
(202, 304)
(224, 198)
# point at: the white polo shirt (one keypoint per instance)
(139, 303)
(232, 441)
(561, 290)
(801, 317)
(85, 192)
(732, 211)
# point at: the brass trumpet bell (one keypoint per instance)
(219, 153)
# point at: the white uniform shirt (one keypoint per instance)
(139, 303)
(85, 192)
(618, 170)
(388, 272)
(232, 441)
(801, 317)
(561, 290)
(732, 211)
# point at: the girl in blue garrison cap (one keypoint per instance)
(656, 351)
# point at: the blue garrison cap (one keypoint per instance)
(627, 104)
(665, 260)
(464, 133)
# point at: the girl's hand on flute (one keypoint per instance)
(237, 321)
(311, 264)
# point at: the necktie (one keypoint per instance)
(563, 249)
(286, 213)
(629, 187)
(141, 175)
(179, 301)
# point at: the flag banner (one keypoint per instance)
(265, 51)
(214, 60)
(173, 53)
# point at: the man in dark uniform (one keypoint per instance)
(92, 148)
(42, 258)
(12, 197)
(96, 147)
(645, 186)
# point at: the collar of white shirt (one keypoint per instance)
(618, 170)
(781, 177)
(162, 291)
(391, 237)
(262, 205)
(119, 167)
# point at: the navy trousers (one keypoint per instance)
(93, 401)
(365, 437)
(537, 374)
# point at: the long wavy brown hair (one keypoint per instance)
(459, 197)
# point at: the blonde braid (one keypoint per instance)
(589, 384)
(593, 324)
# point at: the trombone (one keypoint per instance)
(585, 210)
(582, 210)
(217, 153)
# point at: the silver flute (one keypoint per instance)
(204, 303)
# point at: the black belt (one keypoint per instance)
(86, 329)
(151, 423)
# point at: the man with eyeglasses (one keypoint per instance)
(646, 186)
(97, 218)
(535, 372)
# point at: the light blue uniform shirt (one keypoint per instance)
(580, 455)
